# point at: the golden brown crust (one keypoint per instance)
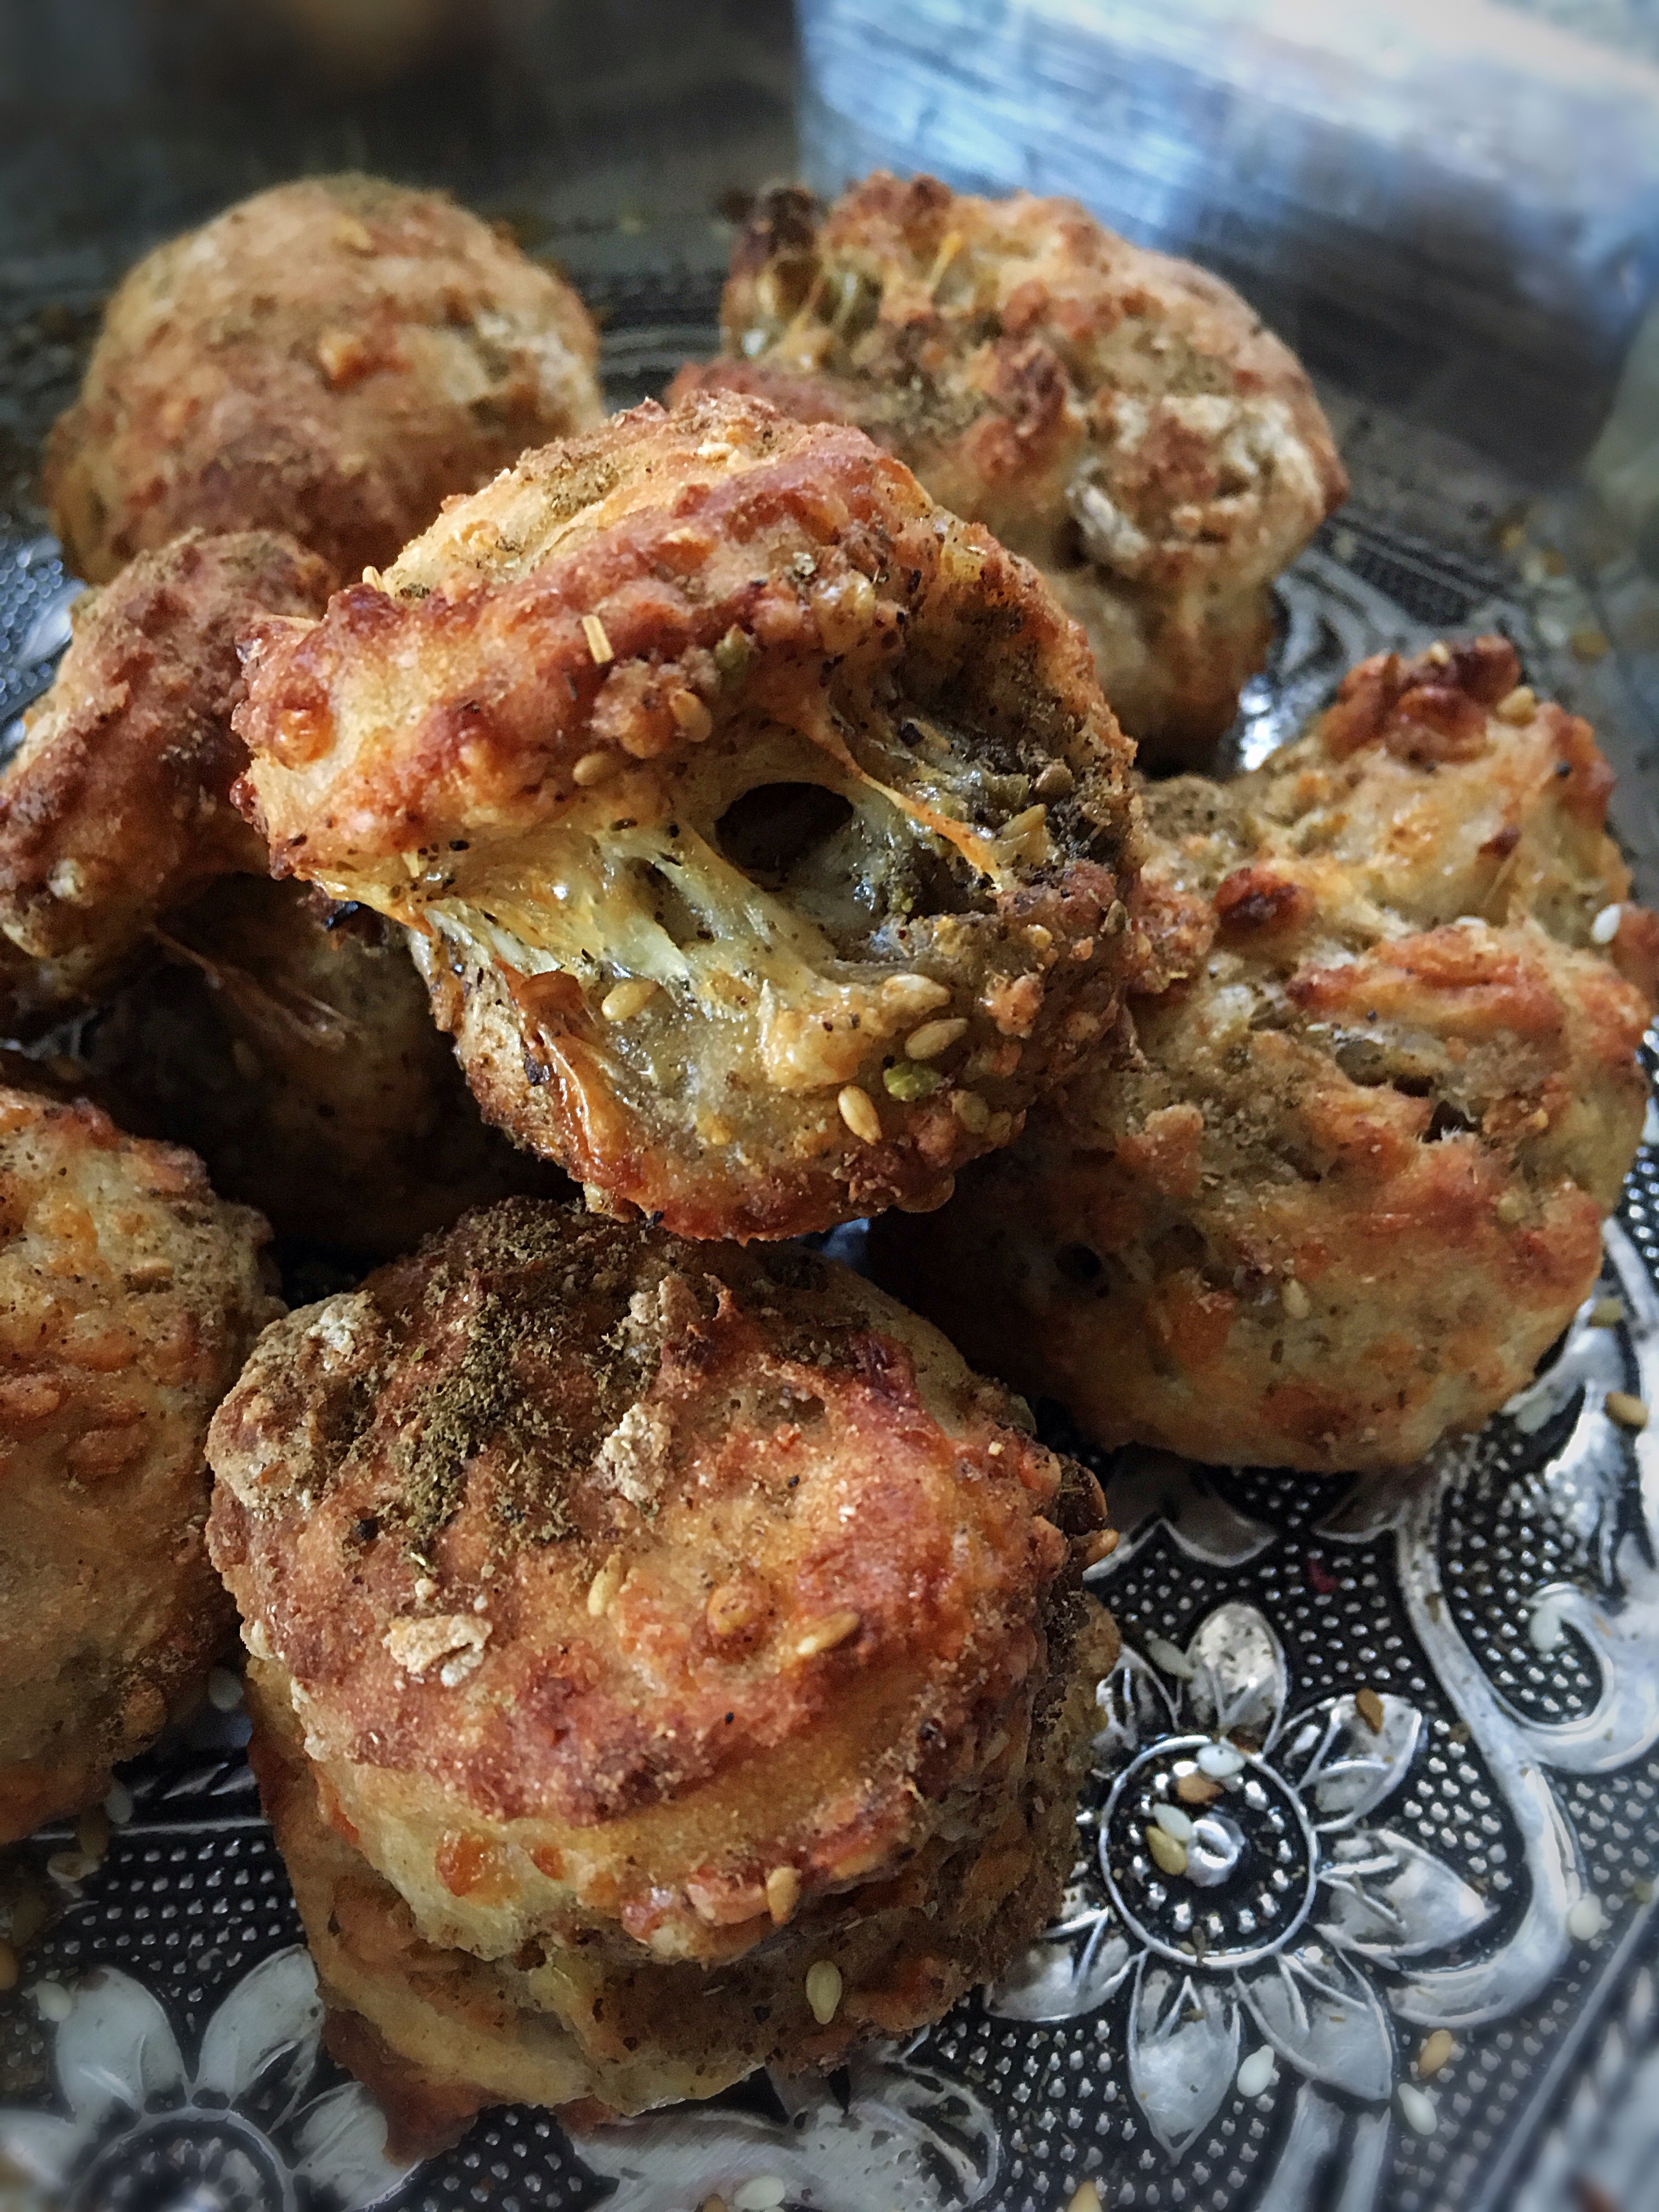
(117, 806)
(1348, 1185)
(331, 358)
(436, 2032)
(711, 762)
(620, 1580)
(289, 1042)
(129, 1297)
(1120, 418)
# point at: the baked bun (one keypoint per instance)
(129, 1297)
(331, 358)
(761, 828)
(650, 1610)
(1120, 418)
(117, 806)
(288, 1041)
(1350, 1187)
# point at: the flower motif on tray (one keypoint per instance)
(241, 2128)
(1245, 1881)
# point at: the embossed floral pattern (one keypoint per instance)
(241, 2128)
(1242, 1876)
(901, 2135)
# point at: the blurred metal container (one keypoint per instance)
(1449, 208)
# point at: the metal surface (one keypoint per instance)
(1454, 1677)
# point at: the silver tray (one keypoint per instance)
(1482, 1861)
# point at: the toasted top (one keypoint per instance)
(1420, 899)
(1431, 792)
(1350, 1183)
(330, 357)
(117, 805)
(628, 596)
(574, 1519)
(1083, 397)
(129, 1297)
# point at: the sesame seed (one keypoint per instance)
(1369, 1706)
(1589, 643)
(824, 1635)
(1437, 2050)
(1170, 1658)
(425, 1590)
(1608, 1313)
(30, 1912)
(691, 717)
(971, 1111)
(1256, 2073)
(1586, 1920)
(934, 1037)
(625, 999)
(70, 1867)
(950, 246)
(1100, 1546)
(224, 1689)
(1297, 1302)
(782, 1893)
(1197, 1790)
(118, 1803)
(1518, 706)
(715, 2204)
(1170, 1856)
(1439, 652)
(1417, 2109)
(602, 1591)
(1629, 1412)
(92, 1832)
(1220, 1761)
(1605, 927)
(1085, 2199)
(591, 769)
(858, 1110)
(823, 1987)
(599, 644)
(52, 2001)
(763, 2194)
(1174, 1822)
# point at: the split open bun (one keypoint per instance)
(761, 829)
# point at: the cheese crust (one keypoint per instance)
(648, 1607)
(331, 358)
(1346, 1185)
(129, 1297)
(1121, 418)
(117, 805)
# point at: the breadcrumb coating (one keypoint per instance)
(331, 358)
(762, 832)
(1121, 419)
(117, 806)
(1346, 1184)
(643, 1605)
(129, 1297)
